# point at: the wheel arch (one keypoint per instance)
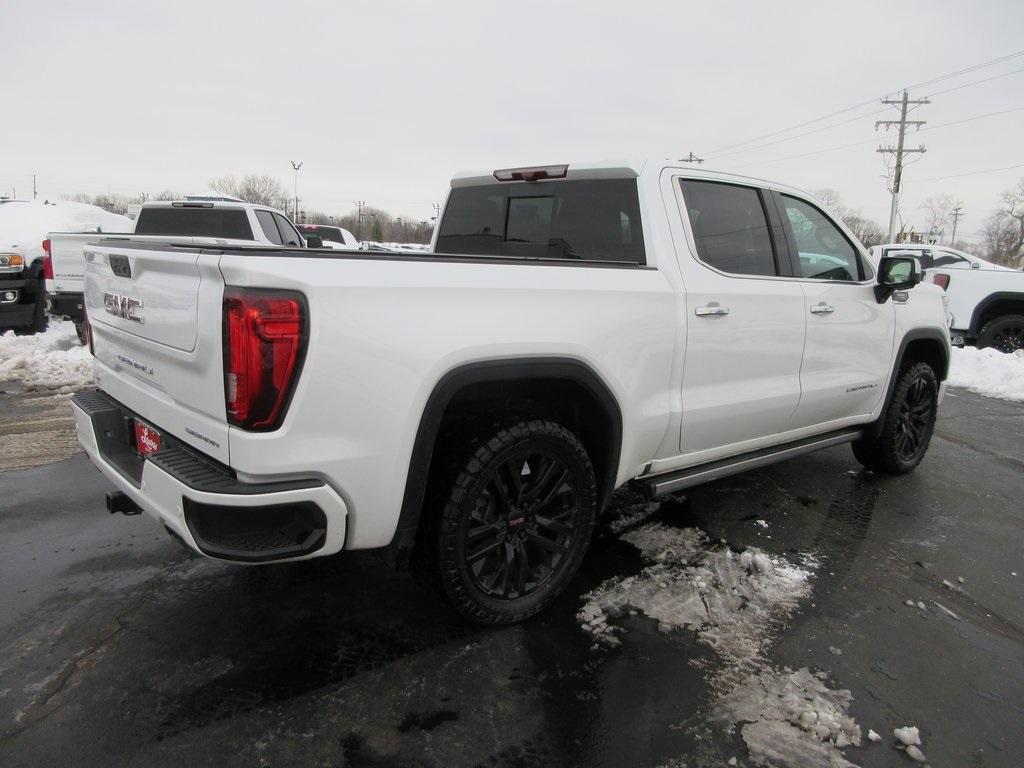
(993, 306)
(562, 386)
(926, 345)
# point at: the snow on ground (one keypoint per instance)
(988, 372)
(735, 603)
(51, 360)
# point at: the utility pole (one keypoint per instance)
(359, 221)
(33, 186)
(295, 210)
(956, 216)
(899, 150)
(691, 158)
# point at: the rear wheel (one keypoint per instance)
(516, 521)
(1005, 333)
(906, 425)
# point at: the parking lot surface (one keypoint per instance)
(117, 647)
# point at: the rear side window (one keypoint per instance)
(729, 226)
(195, 222)
(266, 220)
(824, 252)
(595, 220)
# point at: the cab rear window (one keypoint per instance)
(592, 220)
(194, 222)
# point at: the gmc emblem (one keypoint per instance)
(123, 306)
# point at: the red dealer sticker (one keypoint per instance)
(147, 439)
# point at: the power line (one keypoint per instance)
(932, 81)
(977, 82)
(973, 173)
(872, 141)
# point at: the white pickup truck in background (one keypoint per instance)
(24, 225)
(985, 300)
(189, 221)
(472, 408)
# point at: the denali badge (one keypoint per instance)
(123, 306)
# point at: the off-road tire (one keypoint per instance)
(469, 498)
(1004, 333)
(900, 440)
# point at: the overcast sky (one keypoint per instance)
(383, 101)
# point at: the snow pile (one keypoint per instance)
(50, 360)
(792, 718)
(24, 224)
(730, 600)
(988, 372)
(734, 603)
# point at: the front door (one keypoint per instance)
(848, 351)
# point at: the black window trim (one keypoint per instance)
(794, 259)
(780, 251)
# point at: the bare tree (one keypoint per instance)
(867, 231)
(938, 209)
(258, 189)
(1003, 232)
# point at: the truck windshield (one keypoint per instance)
(592, 220)
(228, 223)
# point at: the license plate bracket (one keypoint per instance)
(147, 439)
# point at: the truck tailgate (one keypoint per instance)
(155, 317)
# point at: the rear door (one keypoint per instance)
(744, 317)
(848, 351)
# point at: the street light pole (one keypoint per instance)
(295, 210)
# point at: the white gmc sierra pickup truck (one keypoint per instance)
(473, 408)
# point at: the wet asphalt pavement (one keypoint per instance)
(117, 647)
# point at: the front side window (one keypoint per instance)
(591, 220)
(823, 252)
(288, 233)
(729, 226)
(266, 220)
(949, 259)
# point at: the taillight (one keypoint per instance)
(87, 332)
(265, 334)
(48, 261)
(941, 279)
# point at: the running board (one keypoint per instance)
(669, 482)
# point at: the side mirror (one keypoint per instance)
(314, 241)
(975, 265)
(896, 273)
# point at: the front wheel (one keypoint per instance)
(906, 425)
(516, 521)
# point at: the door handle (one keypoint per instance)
(711, 310)
(821, 308)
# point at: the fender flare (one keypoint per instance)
(916, 334)
(975, 327)
(487, 371)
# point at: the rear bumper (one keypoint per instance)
(69, 305)
(202, 501)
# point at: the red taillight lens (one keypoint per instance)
(87, 328)
(264, 343)
(48, 261)
(941, 280)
